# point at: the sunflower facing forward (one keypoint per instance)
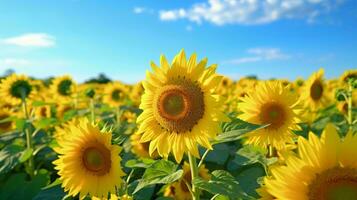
(63, 88)
(88, 163)
(16, 87)
(179, 107)
(325, 168)
(115, 94)
(314, 93)
(271, 103)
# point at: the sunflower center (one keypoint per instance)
(43, 112)
(116, 95)
(4, 125)
(179, 105)
(316, 90)
(64, 87)
(174, 104)
(96, 159)
(273, 114)
(333, 184)
(350, 76)
(20, 89)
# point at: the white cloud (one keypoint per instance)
(260, 54)
(222, 12)
(31, 40)
(141, 10)
(14, 62)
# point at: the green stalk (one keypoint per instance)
(118, 115)
(349, 99)
(28, 138)
(92, 113)
(203, 158)
(194, 175)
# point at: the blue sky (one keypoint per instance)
(268, 38)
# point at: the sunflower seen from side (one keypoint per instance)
(274, 105)
(180, 109)
(325, 168)
(314, 93)
(349, 74)
(15, 87)
(88, 164)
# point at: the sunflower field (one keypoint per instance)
(185, 132)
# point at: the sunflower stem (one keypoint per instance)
(194, 175)
(118, 115)
(203, 158)
(28, 138)
(92, 113)
(349, 99)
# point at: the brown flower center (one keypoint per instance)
(274, 114)
(179, 105)
(97, 159)
(334, 184)
(316, 90)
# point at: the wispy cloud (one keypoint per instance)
(260, 54)
(250, 12)
(33, 64)
(14, 62)
(31, 40)
(141, 10)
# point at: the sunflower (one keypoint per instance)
(7, 125)
(115, 94)
(141, 149)
(88, 163)
(63, 88)
(348, 74)
(179, 107)
(314, 93)
(16, 87)
(136, 93)
(62, 109)
(43, 111)
(63, 131)
(179, 189)
(114, 197)
(270, 103)
(325, 168)
(264, 194)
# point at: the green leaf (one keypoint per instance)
(39, 103)
(55, 192)
(16, 187)
(248, 176)
(160, 172)
(46, 122)
(221, 197)
(219, 155)
(9, 157)
(53, 184)
(20, 124)
(142, 163)
(25, 155)
(9, 136)
(221, 183)
(235, 130)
